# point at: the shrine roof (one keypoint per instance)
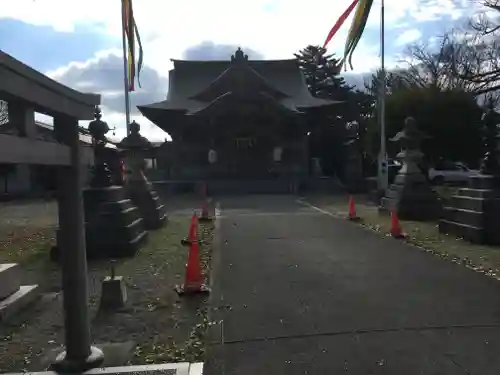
(194, 84)
(231, 100)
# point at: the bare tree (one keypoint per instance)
(438, 67)
(394, 79)
(474, 54)
(484, 24)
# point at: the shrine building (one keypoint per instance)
(237, 119)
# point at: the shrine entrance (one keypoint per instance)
(251, 156)
(245, 150)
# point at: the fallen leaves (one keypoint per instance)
(164, 327)
(24, 244)
(160, 349)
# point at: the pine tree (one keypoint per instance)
(327, 130)
(321, 73)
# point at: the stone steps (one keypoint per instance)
(467, 232)
(123, 241)
(473, 213)
(476, 193)
(464, 216)
(123, 204)
(13, 295)
(467, 203)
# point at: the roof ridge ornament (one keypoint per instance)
(239, 56)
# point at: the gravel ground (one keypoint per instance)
(27, 232)
(35, 213)
(164, 327)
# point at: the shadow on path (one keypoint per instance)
(300, 292)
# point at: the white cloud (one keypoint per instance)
(276, 28)
(408, 36)
(273, 28)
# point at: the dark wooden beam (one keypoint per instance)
(21, 82)
(18, 150)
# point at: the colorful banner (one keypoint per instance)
(356, 30)
(132, 32)
(140, 59)
(339, 23)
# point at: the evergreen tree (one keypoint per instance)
(328, 130)
(321, 73)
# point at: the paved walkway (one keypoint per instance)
(300, 292)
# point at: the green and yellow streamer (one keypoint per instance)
(356, 31)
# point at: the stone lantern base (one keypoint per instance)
(143, 195)
(114, 227)
(412, 197)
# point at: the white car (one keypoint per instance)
(450, 173)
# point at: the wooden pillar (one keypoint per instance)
(23, 118)
(79, 355)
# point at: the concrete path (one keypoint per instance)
(300, 292)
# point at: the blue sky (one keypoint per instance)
(79, 43)
(47, 49)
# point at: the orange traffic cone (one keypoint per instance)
(193, 229)
(193, 282)
(396, 230)
(352, 210)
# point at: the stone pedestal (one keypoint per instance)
(113, 224)
(411, 195)
(148, 202)
(114, 227)
(474, 213)
(13, 295)
(114, 293)
(137, 186)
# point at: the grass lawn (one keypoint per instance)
(425, 235)
(165, 327)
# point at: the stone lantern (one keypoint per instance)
(139, 189)
(101, 176)
(112, 226)
(411, 195)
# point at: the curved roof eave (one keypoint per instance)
(231, 96)
(198, 62)
(165, 119)
(313, 102)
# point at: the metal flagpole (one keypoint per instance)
(383, 170)
(125, 71)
